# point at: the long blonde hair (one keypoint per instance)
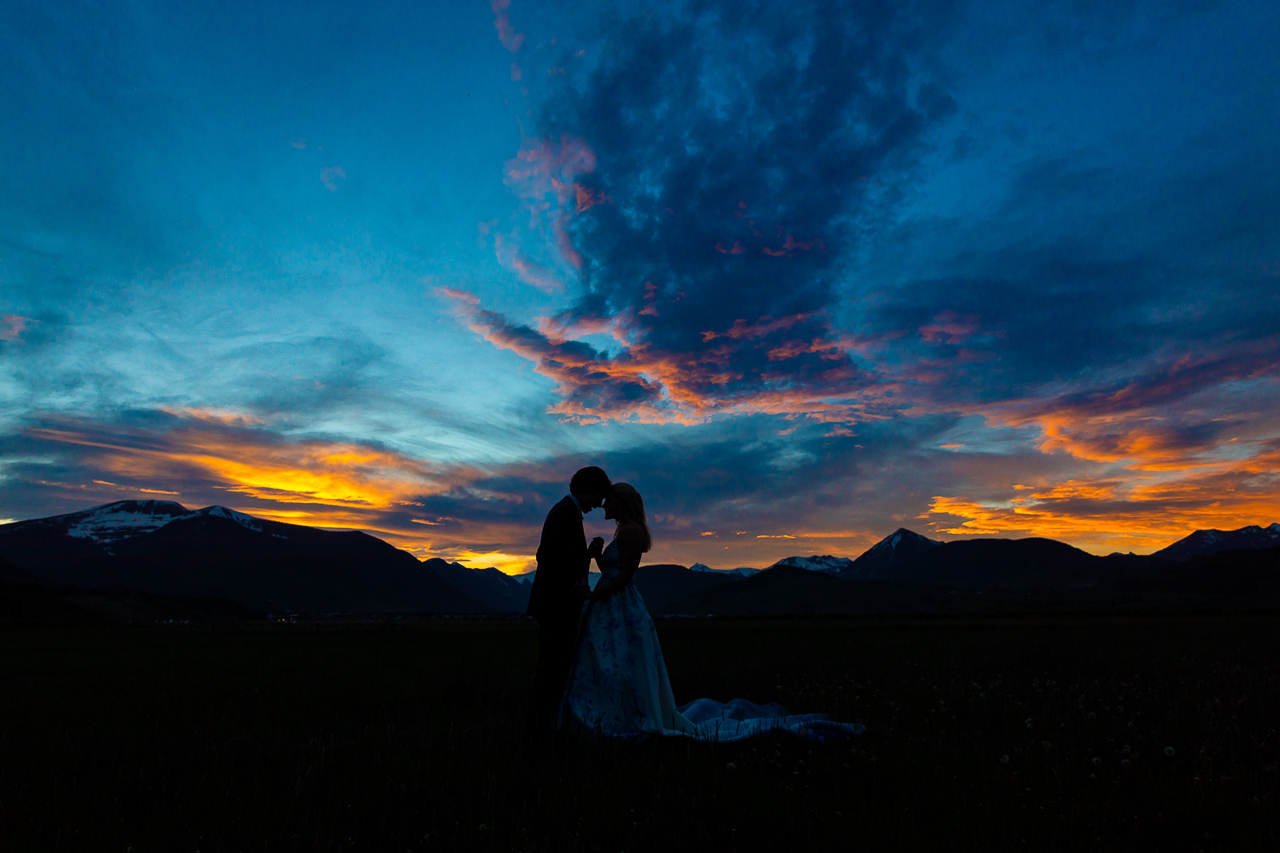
(629, 509)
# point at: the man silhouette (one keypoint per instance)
(563, 562)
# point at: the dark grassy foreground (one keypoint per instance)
(394, 738)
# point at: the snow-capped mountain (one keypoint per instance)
(162, 548)
(741, 571)
(1202, 542)
(114, 521)
(826, 563)
(887, 554)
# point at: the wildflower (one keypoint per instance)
(731, 766)
(1004, 759)
(1097, 761)
(1168, 750)
(1124, 762)
(1047, 746)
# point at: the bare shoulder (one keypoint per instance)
(631, 538)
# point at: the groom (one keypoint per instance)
(563, 562)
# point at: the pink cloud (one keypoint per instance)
(507, 34)
(950, 328)
(588, 198)
(516, 73)
(527, 270)
(12, 326)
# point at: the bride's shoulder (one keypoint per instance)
(631, 537)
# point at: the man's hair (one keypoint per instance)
(590, 480)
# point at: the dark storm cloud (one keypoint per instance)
(740, 153)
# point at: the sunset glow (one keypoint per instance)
(802, 275)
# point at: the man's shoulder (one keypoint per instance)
(565, 507)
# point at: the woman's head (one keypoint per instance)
(625, 506)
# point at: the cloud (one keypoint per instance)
(527, 270)
(328, 175)
(669, 177)
(12, 326)
(1121, 513)
(642, 383)
(510, 39)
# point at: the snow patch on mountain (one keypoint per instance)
(740, 572)
(230, 514)
(122, 519)
(825, 563)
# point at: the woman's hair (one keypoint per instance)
(629, 509)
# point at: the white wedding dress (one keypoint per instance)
(618, 685)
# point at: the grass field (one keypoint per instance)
(1008, 734)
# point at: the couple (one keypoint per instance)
(609, 678)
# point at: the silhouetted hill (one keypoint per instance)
(500, 592)
(992, 563)
(1203, 542)
(663, 583)
(882, 558)
(33, 605)
(9, 573)
(217, 552)
(782, 589)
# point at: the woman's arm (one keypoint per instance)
(629, 551)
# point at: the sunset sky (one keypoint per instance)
(801, 272)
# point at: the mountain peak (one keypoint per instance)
(119, 519)
(1204, 542)
(230, 514)
(816, 563)
(889, 553)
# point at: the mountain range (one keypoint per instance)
(161, 548)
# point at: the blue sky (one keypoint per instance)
(802, 273)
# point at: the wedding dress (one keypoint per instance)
(618, 685)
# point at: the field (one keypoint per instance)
(1118, 733)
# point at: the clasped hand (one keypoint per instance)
(594, 550)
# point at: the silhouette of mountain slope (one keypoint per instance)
(9, 573)
(991, 563)
(217, 552)
(500, 592)
(882, 558)
(663, 583)
(782, 589)
(1203, 542)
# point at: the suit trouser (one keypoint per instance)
(556, 636)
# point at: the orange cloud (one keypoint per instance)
(260, 465)
(648, 385)
(1121, 513)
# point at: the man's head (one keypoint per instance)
(590, 485)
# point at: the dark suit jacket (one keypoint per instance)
(562, 562)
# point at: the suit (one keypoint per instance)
(562, 564)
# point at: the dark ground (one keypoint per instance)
(409, 737)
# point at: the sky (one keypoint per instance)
(803, 273)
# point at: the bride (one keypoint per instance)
(618, 683)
